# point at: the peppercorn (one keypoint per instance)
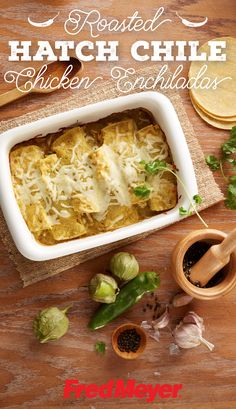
(192, 256)
(129, 340)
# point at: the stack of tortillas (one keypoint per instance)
(216, 106)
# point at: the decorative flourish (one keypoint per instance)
(192, 24)
(44, 23)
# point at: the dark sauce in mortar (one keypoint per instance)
(193, 255)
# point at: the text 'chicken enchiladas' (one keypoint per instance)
(91, 179)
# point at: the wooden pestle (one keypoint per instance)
(213, 260)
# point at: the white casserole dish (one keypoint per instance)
(165, 115)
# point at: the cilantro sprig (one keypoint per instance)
(213, 162)
(227, 155)
(188, 212)
(100, 347)
(197, 199)
(230, 201)
(142, 191)
(154, 167)
(183, 211)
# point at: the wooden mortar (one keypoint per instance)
(211, 236)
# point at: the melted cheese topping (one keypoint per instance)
(85, 181)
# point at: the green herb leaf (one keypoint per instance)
(100, 347)
(158, 165)
(228, 151)
(229, 147)
(154, 167)
(232, 161)
(230, 202)
(183, 211)
(232, 189)
(188, 212)
(142, 191)
(197, 199)
(213, 162)
(231, 194)
(233, 133)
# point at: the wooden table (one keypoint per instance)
(33, 375)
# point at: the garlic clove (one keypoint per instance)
(155, 335)
(163, 320)
(192, 318)
(181, 299)
(145, 325)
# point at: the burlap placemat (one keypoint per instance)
(31, 271)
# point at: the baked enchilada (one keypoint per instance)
(90, 178)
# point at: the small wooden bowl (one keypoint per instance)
(143, 341)
(226, 285)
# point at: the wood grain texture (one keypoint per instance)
(33, 375)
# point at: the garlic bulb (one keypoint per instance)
(188, 333)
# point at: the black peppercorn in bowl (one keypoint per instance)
(218, 286)
(129, 341)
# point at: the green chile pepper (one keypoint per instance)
(129, 295)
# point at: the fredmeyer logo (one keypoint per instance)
(121, 389)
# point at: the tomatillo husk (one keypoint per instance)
(50, 324)
(103, 288)
(124, 266)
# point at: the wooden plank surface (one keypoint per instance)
(33, 375)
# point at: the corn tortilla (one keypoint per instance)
(220, 102)
(218, 118)
(211, 121)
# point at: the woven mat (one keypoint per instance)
(31, 271)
